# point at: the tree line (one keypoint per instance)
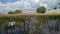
(41, 9)
(15, 12)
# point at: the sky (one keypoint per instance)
(27, 6)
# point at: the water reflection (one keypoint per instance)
(12, 28)
(28, 27)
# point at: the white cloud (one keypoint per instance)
(16, 5)
(26, 5)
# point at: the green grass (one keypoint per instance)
(4, 19)
(47, 12)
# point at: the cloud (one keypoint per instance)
(23, 5)
(26, 5)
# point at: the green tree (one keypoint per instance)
(41, 10)
(18, 11)
(11, 12)
(15, 12)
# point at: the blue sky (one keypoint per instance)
(27, 6)
(6, 1)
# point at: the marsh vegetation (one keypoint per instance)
(30, 25)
